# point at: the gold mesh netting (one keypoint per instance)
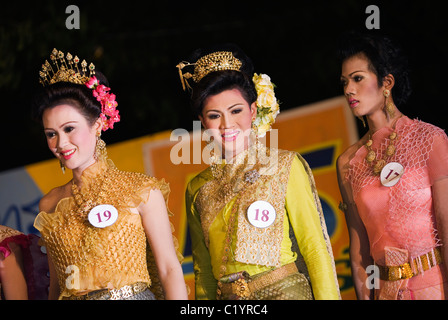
(109, 257)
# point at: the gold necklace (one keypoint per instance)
(378, 165)
(371, 157)
(234, 176)
(92, 195)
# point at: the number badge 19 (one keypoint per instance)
(261, 214)
(103, 215)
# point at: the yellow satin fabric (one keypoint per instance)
(304, 218)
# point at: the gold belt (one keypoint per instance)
(405, 271)
(243, 288)
(113, 294)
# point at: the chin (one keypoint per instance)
(358, 113)
(233, 148)
(68, 166)
(228, 148)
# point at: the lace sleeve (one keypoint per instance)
(438, 158)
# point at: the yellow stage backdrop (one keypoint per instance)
(320, 132)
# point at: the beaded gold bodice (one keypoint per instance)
(88, 258)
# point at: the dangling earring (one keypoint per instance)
(390, 109)
(253, 132)
(209, 140)
(62, 166)
(100, 148)
(362, 120)
(390, 106)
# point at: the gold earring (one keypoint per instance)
(62, 166)
(100, 148)
(390, 106)
(210, 141)
(362, 120)
(390, 109)
(253, 132)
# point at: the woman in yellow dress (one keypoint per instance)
(97, 227)
(254, 215)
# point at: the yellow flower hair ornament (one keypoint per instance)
(267, 105)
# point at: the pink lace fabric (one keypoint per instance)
(35, 262)
(7, 236)
(402, 216)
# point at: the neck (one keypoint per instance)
(77, 177)
(229, 155)
(378, 120)
(77, 173)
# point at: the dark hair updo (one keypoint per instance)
(219, 81)
(75, 95)
(384, 58)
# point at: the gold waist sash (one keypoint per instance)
(243, 287)
(122, 293)
(409, 269)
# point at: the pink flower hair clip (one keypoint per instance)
(109, 113)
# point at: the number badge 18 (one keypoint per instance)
(261, 214)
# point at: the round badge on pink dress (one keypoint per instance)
(391, 174)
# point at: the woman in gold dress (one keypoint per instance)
(97, 227)
(255, 219)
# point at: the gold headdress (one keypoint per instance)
(216, 61)
(66, 70)
(267, 104)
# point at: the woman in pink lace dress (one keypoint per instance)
(393, 181)
(13, 285)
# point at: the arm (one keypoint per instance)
(12, 274)
(205, 282)
(53, 293)
(360, 257)
(439, 192)
(158, 231)
(305, 221)
(48, 204)
(438, 173)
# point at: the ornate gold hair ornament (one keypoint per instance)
(216, 61)
(65, 69)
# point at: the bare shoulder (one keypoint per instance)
(345, 157)
(49, 201)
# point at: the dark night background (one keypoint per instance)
(138, 44)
